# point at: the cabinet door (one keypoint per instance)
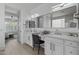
(58, 50)
(30, 40)
(26, 39)
(71, 50)
(52, 47)
(57, 47)
(47, 48)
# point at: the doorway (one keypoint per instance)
(11, 23)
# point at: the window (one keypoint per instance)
(58, 23)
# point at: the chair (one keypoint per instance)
(37, 41)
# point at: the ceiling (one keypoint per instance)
(26, 6)
(32, 7)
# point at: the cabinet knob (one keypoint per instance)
(71, 43)
(71, 52)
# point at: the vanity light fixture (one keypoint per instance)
(32, 16)
(35, 15)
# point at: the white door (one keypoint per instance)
(48, 48)
(31, 40)
(27, 39)
(55, 48)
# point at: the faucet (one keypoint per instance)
(74, 34)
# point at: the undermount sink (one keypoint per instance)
(73, 34)
(45, 32)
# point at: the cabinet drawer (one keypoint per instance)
(71, 50)
(58, 50)
(57, 40)
(70, 43)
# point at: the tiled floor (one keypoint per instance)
(15, 48)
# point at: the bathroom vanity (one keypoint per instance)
(61, 45)
(63, 26)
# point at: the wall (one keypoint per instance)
(21, 25)
(2, 27)
(22, 28)
(22, 17)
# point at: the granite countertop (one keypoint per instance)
(64, 37)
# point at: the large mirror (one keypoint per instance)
(64, 18)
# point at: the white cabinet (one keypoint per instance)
(48, 48)
(28, 38)
(57, 46)
(52, 47)
(71, 50)
(58, 49)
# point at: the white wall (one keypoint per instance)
(2, 27)
(21, 25)
(23, 18)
